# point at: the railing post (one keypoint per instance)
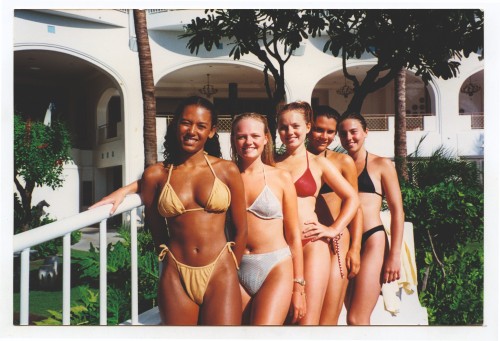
(103, 280)
(25, 288)
(134, 268)
(66, 275)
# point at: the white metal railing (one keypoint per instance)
(63, 228)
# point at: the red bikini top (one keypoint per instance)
(306, 185)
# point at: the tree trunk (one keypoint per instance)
(400, 150)
(147, 86)
(26, 194)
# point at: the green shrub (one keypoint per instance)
(119, 281)
(85, 313)
(445, 203)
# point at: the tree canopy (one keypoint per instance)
(40, 153)
(430, 42)
(270, 34)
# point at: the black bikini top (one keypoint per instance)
(325, 188)
(365, 183)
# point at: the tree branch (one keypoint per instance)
(435, 254)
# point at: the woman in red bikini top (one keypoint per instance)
(309, 173)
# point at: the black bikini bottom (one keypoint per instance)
(371, 231)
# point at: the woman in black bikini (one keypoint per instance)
(328, 204)
(378, 263)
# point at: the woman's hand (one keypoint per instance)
(313, 229)
(353, 262)
(392, 266)
(298, 307)
(115, 198)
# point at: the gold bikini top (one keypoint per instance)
(169, 204)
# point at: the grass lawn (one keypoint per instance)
(43, 300)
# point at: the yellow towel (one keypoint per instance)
(408, 272)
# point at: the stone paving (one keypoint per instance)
(91, 235)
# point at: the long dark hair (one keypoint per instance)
(353, 116)
(325, 110)
(171, 144)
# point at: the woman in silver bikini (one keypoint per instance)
(271, 269)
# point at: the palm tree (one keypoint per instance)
(400, 149)
(148, 88)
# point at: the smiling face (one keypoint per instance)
(194, 128)
(249, 138)
(322, 133)
(352, 135)
(293, 128)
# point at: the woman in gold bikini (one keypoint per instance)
(191, 192)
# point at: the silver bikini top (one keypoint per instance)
(266, 205)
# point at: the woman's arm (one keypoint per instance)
(293, 239)
(353, 257)
(349, 197)
(390, 185)
(237, 208)
(153, 220)
(116, 197)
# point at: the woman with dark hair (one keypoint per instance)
(328, 205)
(273, 256)
(377, 178)
(186, 198)
(310, 173)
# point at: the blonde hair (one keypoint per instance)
(267, 156)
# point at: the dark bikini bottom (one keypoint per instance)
(371, 231)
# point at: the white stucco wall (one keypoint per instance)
(108, 49)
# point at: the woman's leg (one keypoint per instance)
(337, 286)
(367, 284)
(246, 306)
(316, 272)
(222, 300)
(271, 303)
(176, 308)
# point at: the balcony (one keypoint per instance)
(115, 17)
(381, 122)
(171, 19)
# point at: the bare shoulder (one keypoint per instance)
(154, 172)
(339, 158)
(223, 167)
(279, 174)
(382, 163)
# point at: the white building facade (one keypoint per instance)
(84, 61)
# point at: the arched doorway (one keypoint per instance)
(471, 99)
(379, 105)
(239, 88)
(77, 87)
